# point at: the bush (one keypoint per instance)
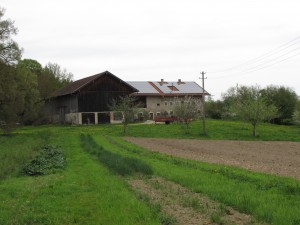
(49, 161)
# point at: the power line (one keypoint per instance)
(254, 70)
(269, 54)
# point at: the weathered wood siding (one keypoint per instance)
(68, 102)
(98, 95)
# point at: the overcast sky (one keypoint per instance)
(234, 41)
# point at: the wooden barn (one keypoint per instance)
(87, 101)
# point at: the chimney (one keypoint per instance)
(179, 81)
(161, 82)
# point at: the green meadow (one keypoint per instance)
(92, 188)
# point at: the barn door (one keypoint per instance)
(62, 114)
(103, 117)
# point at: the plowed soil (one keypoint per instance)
(281, 158)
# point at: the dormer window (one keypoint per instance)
(173, 88)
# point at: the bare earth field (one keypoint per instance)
(281, 158)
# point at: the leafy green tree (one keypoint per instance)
(250, 105)
(215, 109)
(31, 65)
(128, 105)
(10, 52)
(28, 86)
(186, 110)
(285, 99)
(10, 104)
(296, 114)
(11, 101)
(52, 78)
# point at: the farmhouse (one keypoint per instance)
(86, 101)
(160, 96)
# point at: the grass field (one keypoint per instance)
(93, 188)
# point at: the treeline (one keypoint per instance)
(24, 83)
(281, 102)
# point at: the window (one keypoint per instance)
(158, 104)
(173, 88)
(171, 103)
(171, 113)
(166, 103)
(118, 116)
(158, 114)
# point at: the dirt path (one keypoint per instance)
(281, 158)
(183, 207)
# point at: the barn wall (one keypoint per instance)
(97, 96)
(61, 109)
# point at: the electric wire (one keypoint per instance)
(270, 61)
(267, 55)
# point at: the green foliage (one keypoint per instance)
(50, 160)
(117, 163)
(186, 110)
(128, 105)
(215, 109)
(23, 89)
(142, 114)
(10, 52)
(11, 97)
(52, 78)
(284, 99)
(250, 105)
(28, 84)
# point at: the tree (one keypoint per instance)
(9, 97)
(28, 85)
(31, 65)
(11, 101)
(250, 105)
(52, 78)
(186, 109)
(285, 99)
(10, 52)
(18, 95)
(128, 105)
(215, 109)
(296, 114)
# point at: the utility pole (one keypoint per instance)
(203, 103)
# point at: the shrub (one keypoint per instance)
(49, 161)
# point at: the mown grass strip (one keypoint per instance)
(84, 193)
(115, 162)
(269, 198)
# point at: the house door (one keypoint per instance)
(151, 116)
